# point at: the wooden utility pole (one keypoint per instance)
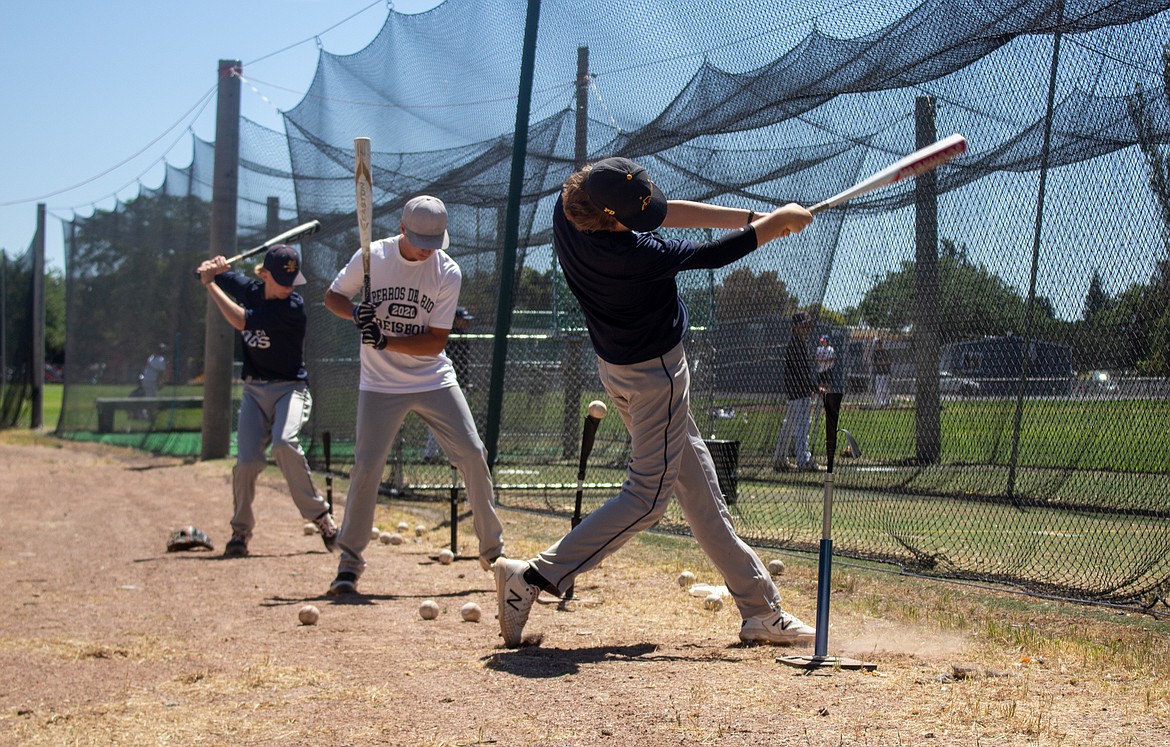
(219, 337)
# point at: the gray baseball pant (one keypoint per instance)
(272, 412)
(379, 418)
(667, 455)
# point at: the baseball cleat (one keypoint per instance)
(236, 547)
(328, 529)
(776, 627)
(345, 583)
(514, 598)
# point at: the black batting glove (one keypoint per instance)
(372, 336)
(364, 313)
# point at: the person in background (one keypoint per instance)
(881, 374)
(798, 391)
(460, 354)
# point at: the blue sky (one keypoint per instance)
(98, 96)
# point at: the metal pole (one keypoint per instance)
(38, 322)
(511, 235)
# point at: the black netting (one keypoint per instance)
(16, 338)
(1021, 292)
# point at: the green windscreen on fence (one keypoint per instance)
(1012, 424)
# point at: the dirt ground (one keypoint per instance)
(110, 640)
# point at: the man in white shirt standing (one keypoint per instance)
(414, 291)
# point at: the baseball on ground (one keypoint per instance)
(308, 615)
(428, 610)
(713, 602)
(776, 567)
(597, 409)
(375, 533)
(310, 528)
(394, 538)
(446, 557)
(685, 579)
(471, 612)
(403, 526)
(384, 538)
(420, 530)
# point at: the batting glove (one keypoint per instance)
(364, 313)
(372, 336)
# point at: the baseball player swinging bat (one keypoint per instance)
(597, 410)
(291, 236)
(364, 185)
(919, 162)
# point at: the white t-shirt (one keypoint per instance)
(411, 298)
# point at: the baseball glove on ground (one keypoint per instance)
(189, 538)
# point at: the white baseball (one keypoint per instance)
(310, 528)
(685, 579)
(375, 533)
(471, 612)
(394, 538)
(403, 526)
(446, 557)
(597, 409)
(384, 538)
(420, 530)
(428, 610)
(713, 602)
(308, 615)
(776, 567)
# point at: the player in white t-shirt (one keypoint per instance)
(414, 291)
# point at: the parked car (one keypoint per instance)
(1102, 381)
(950, 383)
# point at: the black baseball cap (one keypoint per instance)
(284, 265)
(621, 188)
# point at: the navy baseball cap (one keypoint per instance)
(621, 188)
(284, 265)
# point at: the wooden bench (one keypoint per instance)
(108, 406)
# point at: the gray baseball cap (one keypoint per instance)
(424, 221)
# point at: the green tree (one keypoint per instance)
(131, 285)
(1096, 298)
(744, 294)
(1148, 323)
(55, 317)
(974, 301)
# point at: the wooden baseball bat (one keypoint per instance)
(364, 184)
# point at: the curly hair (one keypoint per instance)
(580, 209)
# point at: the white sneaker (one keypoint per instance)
(514, 598)
(776, 627)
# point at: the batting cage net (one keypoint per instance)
(999, 328)
(16, 338)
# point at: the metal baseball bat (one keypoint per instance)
(364, 186)
(291, 236)
(588, 435)
(919, 162)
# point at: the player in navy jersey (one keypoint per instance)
(623, 275)
(270, 317)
